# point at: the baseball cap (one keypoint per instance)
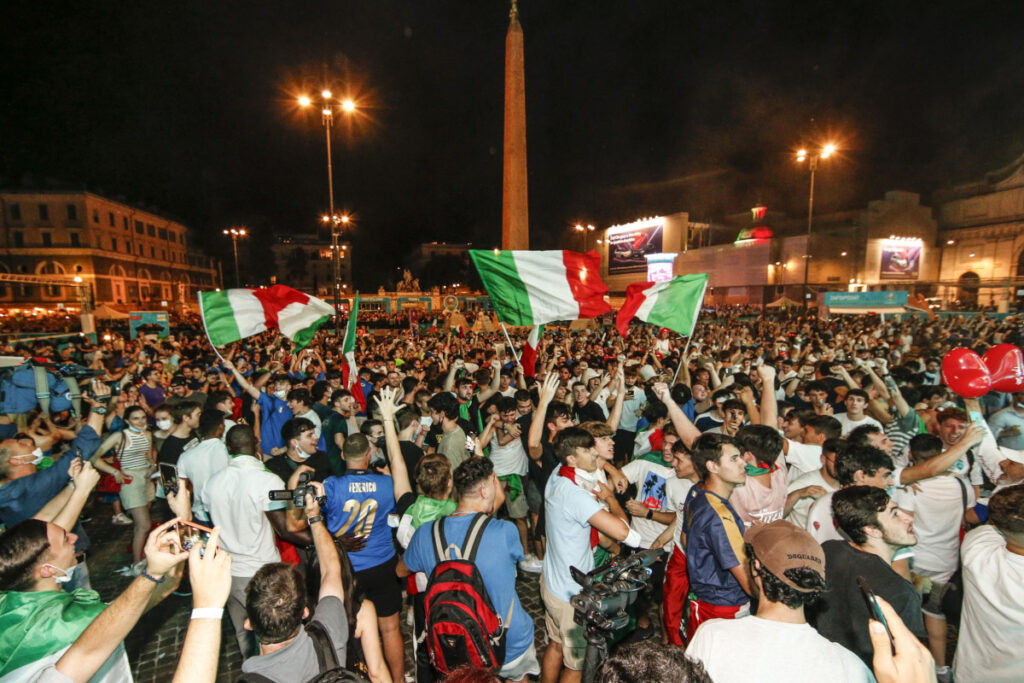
(782, 545)
(647, 373)
(178, 380)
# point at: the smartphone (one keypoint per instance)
(499, 351)
(189, 534)
(169, 477)
(875, 610)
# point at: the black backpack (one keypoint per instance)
(462, 625)
(331, 670)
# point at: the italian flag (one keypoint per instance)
(350, 371)
(529, 358)
(536, 287)
(674, 304)
(233, 314)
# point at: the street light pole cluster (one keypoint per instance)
(235, 233)
(583, 230)
(812, 159)
(328, 105)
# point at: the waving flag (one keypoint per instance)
(349, 370)
(233, 314)
(536, 287)
(674, 304)
(529, 358)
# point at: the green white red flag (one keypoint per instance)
(536, 287)
(349, 369)
(233, 314)
(529, 357)
(674, 304)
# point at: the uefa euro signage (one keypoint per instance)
(659, 267)
(878, 301)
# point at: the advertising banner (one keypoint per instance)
(900, 261)
(149, 322)
(628, 246)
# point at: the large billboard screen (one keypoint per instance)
(627, 246)
(900, 261)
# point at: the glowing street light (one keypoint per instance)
(812, 159)
(235, 233)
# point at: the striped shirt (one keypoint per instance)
(134, 450)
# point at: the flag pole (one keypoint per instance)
(202, 314)
(682, 359)
(511, 348)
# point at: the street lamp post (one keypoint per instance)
(235, 234)
(812, 165)
(327, 107)
(583, 230)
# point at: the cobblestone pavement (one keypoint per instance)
(155, 643)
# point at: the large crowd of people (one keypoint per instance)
(827, 509)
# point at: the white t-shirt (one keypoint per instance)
(732, 650)
(939, 509)
(651, 482)
(567, 510)
(510, 458)
(198, 464)
(315, 419)
(237, 500)
(849, 425)
(820, 522)
(802, 458)
(678, 489)
(798, 514)
(992, 625)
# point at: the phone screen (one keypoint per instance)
(875, 610)
(189, 534)
(168, 475)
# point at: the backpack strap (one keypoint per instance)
(437, 533)
(474, 536)
(326, 655)
(42, 389)
(76, 395)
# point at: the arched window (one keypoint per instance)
(50, 268)
(968, 296)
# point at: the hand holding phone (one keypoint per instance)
(876, 611)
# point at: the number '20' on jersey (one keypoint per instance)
(359, 503)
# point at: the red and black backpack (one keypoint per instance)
(462, 625)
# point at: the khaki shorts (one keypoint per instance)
(518, 508)
(563, 629)
(140, 492)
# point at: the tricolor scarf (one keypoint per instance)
(760, 468)
(37, 624)
(427, 509)
(570, 474)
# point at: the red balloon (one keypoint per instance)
(965, 373)
(1005, 364)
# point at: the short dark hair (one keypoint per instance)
(655, 410)
(356, 447)
(866, 459)
(856, 507)
(241, 440)
(367, 425)
(319, 390)
(648, 661)
(952, 414)
(555, 411)
(179, 411)
(763, 441)
(470, 473)
(21, 549)
(445, 403)
(925, 447)
(708, 448)
(860, 437)
(300, 395)
(274, 602)
(294, 427)
(218, 396)
(405, 416)
(568, 440)
(857, 392)
(210, 421)
(733, 404)
(1006, 510)
(505, 404)
(835, 445)
(523, 395)
(826, 425)
(775, 590)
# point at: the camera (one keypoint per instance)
(298, 494)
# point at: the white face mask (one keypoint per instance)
(281, 394)
(67, 572)
(135, 429)
(163, 425)
(36, 455)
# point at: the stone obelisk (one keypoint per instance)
(515, 222)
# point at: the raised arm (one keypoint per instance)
(686, 430)
(769, 404)
(399, 473)
(247, 387)
(547, 393)
(495, 382)
(615, 414)
(449, 380)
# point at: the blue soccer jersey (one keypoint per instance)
(714, 545)
(359, 503)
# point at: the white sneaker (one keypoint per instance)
(121, 519)
(531, 564)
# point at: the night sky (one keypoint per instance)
(633, 108)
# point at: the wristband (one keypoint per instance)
(208, 613)
(633, 539)
(314, 519)
(100, 409)
(152, 578)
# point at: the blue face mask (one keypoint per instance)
(134, 429)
